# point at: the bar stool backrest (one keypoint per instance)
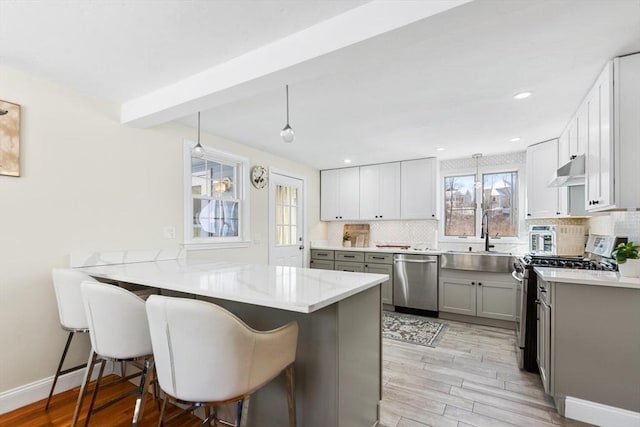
(117, 321)
(203, 353)
(66, 283)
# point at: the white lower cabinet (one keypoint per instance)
(475, 293)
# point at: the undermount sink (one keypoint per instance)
(492, 261)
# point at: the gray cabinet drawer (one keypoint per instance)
(378, 258)
(322, 264)
(350, 266)
(321, 254)
(350, 256)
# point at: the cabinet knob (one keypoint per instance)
(380, 216)
(433, 215)
(479, 283)
(473, 283)
(528, 214)
(595, 202)
(557, 213)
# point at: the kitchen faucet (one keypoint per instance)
(484, 233)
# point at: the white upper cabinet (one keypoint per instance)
(400, 190)
(380, 191)
(613, 135)
(419, 189)
(599, 161)
(542, 163)
(340, 194)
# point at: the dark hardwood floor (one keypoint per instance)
(62, 405)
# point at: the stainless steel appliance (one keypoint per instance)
(415, 286)
(526, 321)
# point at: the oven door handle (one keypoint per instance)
(515, 276)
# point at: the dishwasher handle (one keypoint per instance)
(416, 261)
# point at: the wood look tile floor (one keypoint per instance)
(470, 379)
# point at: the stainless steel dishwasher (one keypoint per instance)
(415, 285)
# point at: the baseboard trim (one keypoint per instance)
(30, 393)
(599, 414)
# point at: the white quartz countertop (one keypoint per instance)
(302, 290)
(586, 277)
(380, 250)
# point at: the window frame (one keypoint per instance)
(521, 196)
(244, 211)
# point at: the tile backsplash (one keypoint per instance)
(389, 232)
(623, 224)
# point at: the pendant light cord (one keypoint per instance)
(198, 128)
(287, 91)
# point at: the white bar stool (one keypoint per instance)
(119, 332)
(206, 356)
(66, 284)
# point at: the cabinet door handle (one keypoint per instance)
(321, 254)
(377, 257)
(349, 256)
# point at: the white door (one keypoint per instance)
(286, 220)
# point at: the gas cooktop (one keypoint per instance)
(578, 263)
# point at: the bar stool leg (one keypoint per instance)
(95, 392)
(55, 378)
(147, 373)
(242, 410)
(83, 387)
(291, 397)
(162, 411)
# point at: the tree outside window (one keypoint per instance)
(498, 195)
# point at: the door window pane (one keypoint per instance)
(286, 211)
(460, 206)
(499, 199)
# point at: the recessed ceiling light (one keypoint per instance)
(522, 95)
(516, 139)
(440, 149)
(347, 160)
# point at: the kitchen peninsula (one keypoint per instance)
(338, 362)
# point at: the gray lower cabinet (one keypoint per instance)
(589, 345)
(322, 259)
(322, 264)
(476, 293)
(381, 263)
(361, 262)
(349, 266)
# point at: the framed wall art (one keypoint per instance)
(9, 139)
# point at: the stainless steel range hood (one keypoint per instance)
(571, 173)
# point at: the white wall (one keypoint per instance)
(89, 183)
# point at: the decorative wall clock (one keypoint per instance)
(259, 176)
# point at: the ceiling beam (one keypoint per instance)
(248, 74)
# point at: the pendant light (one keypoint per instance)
(478, 182)
(287, 133)
(198, 149)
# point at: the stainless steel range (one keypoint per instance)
(598, 247)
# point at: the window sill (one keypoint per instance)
(215, 245)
